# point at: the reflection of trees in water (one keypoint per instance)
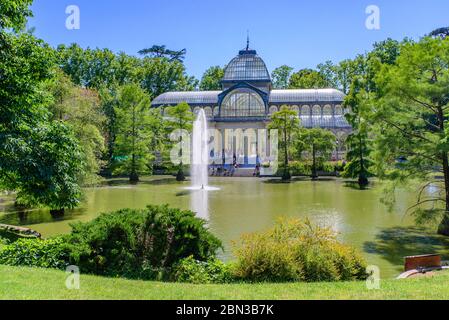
(393, 244)
(32, 217)
(143, 181)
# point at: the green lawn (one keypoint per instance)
(28, 283)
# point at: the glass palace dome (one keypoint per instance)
(247, 66)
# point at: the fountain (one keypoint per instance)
(200, 153)
(199, 171)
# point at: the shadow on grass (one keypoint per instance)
(393, 244)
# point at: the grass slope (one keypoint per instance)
(29, 283)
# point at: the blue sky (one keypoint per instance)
(299, 33)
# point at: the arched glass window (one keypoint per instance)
(243, 103)
(295, 109)
(327, 110)
(273, 109)
(305, 111)
(338, 110)
(208, 112)
(316, 111)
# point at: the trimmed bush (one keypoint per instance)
(52, 253)
(190, 270)
(140, 243)
(296, 250)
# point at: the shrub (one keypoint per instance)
(297, 251)
(304, 168)
(140, 243)
(202, 272)
(51, 253)
(261, 259)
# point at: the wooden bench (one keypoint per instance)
(427, 261)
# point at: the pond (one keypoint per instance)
(243, 205)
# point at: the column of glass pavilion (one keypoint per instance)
(247, 101)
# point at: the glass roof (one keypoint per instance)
(325, 122)
(277, 97)
(191, 97)
(246, 66)
(305, 95)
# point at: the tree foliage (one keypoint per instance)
(181, 120)
(158, 51)
(39, 158)
(14, 14)
(81, 109)
(307, 79)
(281, 77)
(318, 143)
(286, 121)
(358, 142)
(101, 68)
(211, 79)
(133, 155)
(411, 109)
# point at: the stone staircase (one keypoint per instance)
(243, 172)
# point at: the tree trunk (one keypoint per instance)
(133, 176)
(180, 175)
(443, 228)
(286, 175)
(314, 171)
(363, 180)
(444, 225)
(57, 212)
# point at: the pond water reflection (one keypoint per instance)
(245, 205)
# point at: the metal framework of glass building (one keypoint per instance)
(248, 100)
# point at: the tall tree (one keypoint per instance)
(347, 71)
(362, 72)
(307, 79)
(181, 119)
(329, 72)
(158, 51)
(410, 110)
(281, 77)
(286, 121)
(211, 79)
(133, 136)
(318, 143)
(39, 158)
(49, 170)
(358, 142)
(159, 75)
(80, 108)
(386, 51)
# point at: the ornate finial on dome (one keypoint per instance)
(247, 50)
